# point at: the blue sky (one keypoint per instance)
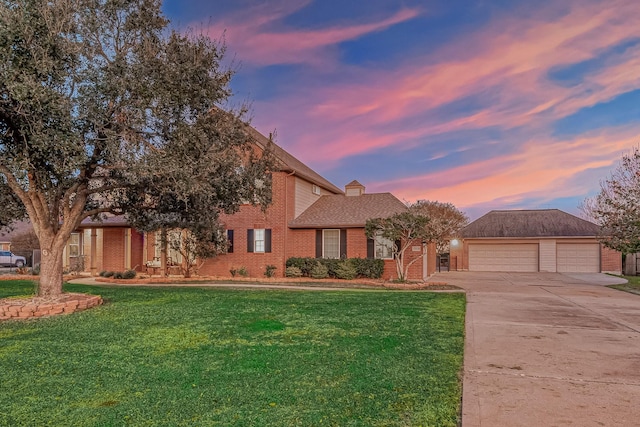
(486, 104)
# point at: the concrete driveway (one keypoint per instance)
(548, 349)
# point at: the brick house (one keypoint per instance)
(548, 240)
(333, 227)
(308, 217)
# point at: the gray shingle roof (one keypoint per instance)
(348, 212)
(291, 164)
(530, 223)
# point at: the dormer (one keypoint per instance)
(354, 188)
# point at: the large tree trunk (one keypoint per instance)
(51, 272)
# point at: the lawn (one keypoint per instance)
(633, 286)
(189, 356)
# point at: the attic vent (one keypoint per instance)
(315, 190)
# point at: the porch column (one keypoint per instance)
(163, 252)
(145, 250)
(127, 249)
(425, 261)
(94, 252)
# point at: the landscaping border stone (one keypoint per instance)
(27, 308)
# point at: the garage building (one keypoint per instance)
(546, 240)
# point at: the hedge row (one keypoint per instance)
(339, 268)
(127, 274)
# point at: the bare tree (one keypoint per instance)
(24, 244)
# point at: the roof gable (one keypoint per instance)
(340, 211)
(291, 164)
(529, 223)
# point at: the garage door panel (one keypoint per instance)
(503, 257)
(578, 257)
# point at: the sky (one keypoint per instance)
(486, 104)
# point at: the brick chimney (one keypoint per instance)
(354, 188)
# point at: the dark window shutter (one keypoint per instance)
(318, 243)
(398, 245)
(371, 248)
(230, 241)
(267, 240)
(250, 240)
(343, 244)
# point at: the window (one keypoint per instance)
(315, 190)
(74, 245)
(330, 243)
(259, 240)
(383, 248)
(229, 241)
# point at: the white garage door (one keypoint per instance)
(578, 257)
(503, 257)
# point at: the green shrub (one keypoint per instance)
(332, 266)
(270, 270)
(242, 271)
(293, 272)
(320, 271)
(117, 275)
(102, 273)
(129, 274)
(233, 272)
(36, 270)
(365, 267)
(346, 270)
(368, 267)
(304, 264)
(108, 274)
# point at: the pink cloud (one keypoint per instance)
(507, 63)
(543, 169)
(259, 39)
(512, 57)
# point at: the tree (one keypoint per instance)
(445, 223)
(104, 109)
(192, 249)
(616, 208)
(424, 221)
(402, 229)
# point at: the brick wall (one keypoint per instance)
(137, 242)
(610, 261)
(302, 243)
(275, 218)
(356, 243)
(113, 249)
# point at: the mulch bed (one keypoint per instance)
(303, 281)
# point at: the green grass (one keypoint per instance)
(633, 286)
(190, 356)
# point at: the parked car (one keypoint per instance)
(8, 259)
